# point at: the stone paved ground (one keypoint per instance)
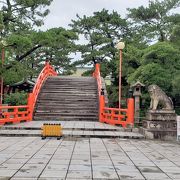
(31, 158)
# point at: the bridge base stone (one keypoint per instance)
(160, 124)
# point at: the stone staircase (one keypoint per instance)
(68, 98)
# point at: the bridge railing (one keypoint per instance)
(114, 116)
(97, 75)
(14, 114)
(25, 113)
(45, 73)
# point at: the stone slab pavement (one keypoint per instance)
(30, 158)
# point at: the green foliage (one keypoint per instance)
(101, 31)
(152, 74)
(1, 22)
(176, 83)
(20, 15)
(55, 45)
(175, 36)
(21, 43)
(131, 59)
(155, 21)
(17, 18)
(15, 74)
(112, 95)
(15, 99)
(32, 49)
(164, 54)
(88, 73)
(159, 65)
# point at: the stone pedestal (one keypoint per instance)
(161, 115)
(160, 124)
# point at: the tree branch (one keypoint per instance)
(3, 2)
(20, 58)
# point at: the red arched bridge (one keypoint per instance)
(68, 98)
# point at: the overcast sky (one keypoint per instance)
(62, 11)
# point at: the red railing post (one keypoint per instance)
(130, 111)
(97, 75)
(112, 121)
(16, 114)
(97, 66)
(30, 106)
(101, 106)
(47, 66)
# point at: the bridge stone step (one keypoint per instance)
(62, 111)
(76, 129)
(85, 103)
(78, 113)
(68, 98)
(73, 91)
(64, 103)
(67, 104)
(59, 97)
(60, 118)
(61, 108)
(81, 95)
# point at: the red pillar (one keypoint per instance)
(101, 106)
(130, 112)
(30, 106)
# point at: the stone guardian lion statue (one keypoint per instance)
(159, 96)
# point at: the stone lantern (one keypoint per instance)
(137, 87)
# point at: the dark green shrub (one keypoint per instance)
(15, 99)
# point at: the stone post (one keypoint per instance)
(137, 94)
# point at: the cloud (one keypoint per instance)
(63, 11)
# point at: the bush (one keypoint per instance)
(15, 99)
